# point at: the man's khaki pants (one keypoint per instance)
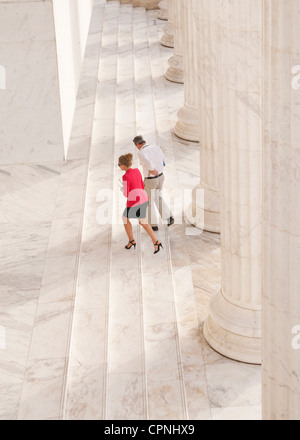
(153, 188)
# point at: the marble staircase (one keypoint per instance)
(97, 332)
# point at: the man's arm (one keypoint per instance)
(146, 163)
(153, 172)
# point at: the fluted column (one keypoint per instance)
(168, 38)
(163, 10)
(281, 287)
(204, 212)
(175, 70)
(187, 126)
(233, 327)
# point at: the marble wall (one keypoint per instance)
(41, 45)
(71, 19)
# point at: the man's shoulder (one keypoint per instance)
(149, 150)
(154, 147)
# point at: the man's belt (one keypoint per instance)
(154, 177)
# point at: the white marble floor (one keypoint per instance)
(88, 329)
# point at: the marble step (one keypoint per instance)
(166, 394)
(61, 194)
(87, 371)
(145, 112)
(126, 392)
(94, 331)
(180, 175)
(143, 349)
(136, 309)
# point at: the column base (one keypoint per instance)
(167, 41)
(163, 14)
(233, 331)
(187, 127)
(163, 10)
(175, 71)
(168, 38)
(204, 211)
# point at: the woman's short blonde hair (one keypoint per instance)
(126, 160)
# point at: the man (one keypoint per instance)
(152, 161)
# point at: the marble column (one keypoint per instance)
(163, 10)
(187, 126)
(233, 326)
(175, 70)
(168, 38)
(204, 212)
(281, 170)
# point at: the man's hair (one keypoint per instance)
(139, 140)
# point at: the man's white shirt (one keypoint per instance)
(151, 158)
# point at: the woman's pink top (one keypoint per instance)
(134, 188)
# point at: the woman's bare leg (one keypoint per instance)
(128, 228)
(143, 222)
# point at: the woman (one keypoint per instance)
(137, 202)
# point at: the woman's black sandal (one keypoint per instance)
(159, 245)
(130, 244)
